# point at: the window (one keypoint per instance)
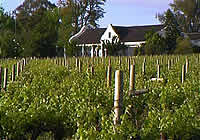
(109, 35)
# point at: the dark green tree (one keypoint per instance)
(155, 43)
(184, 46)
(85, 12)
(65, 30)
(9, 46)
(187, 13)
(171, 30)
(37, 22)
(73, 15)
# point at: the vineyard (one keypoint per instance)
(76, 98)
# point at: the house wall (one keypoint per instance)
(134, 44)
(195, 42)
(110, 30)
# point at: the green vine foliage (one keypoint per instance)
(63, 103)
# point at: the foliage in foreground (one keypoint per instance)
(68, 104)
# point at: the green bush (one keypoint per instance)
(183, 46)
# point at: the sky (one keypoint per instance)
(119, 12)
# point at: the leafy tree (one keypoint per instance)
(184, 46)
(187, 13)
(172, 31)
(72, 49)
(65, 29)
(85, 12)
(8, 43)
(155, 44)
(114, 46)
(37, 22)
(74, 14)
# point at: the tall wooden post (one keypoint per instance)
(18, 68)
(13, 73)
(109, 76)
(5, 78)
(120, 62)
(158, 71)
(168, 64)
(21, 67)
(186, 66)
(143, 68)
(1, 69)
(183, 74)
(132, 78)
(129, 64)
(118, 96)
(109, 63)
(80, 66)
(163, 136)
(92, 70)
(157, 62)
(77, 61)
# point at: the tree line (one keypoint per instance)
(41, 28)
(181, 19)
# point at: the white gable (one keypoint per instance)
(109, 34)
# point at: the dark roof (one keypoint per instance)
(194, 36)
(126, 34)
(90, 36)
(135, 33)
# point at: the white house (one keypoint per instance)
(132, 36)
(91, 39)
(195, 38)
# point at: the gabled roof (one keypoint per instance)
(194, 36)
(135, 33)
(90, 36)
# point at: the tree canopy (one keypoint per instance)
(172, 31)
(187, 13)
(8, 44)
(85, 12)
(37, 23)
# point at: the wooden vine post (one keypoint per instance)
(158, 71)
(109, 75)
(120, 62)
(92, 70)
(186, 66)
(109, 61)
(168, 64)
(80, 66)
(13, 73)
(163, 136)
(132, 78)
(129, 64)
(21, 67)
(77, 61)
(18, 68)
(143, 68)
(5, 78)
(1, 69)
(118, 97)
(24, 62)
(183, 74)
(157, 62)
(172, 62)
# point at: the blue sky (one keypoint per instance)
(120, 12)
